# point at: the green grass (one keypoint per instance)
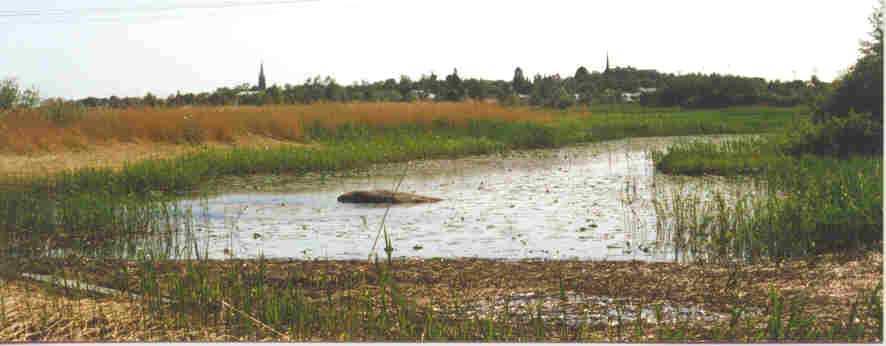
(734, 157)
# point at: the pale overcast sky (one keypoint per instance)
(82, 48)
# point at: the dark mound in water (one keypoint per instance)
(384, 196)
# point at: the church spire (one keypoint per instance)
(607, 62)
(261, 76)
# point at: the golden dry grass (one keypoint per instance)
(26, 131)
(115, 154)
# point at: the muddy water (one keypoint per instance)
(592, 201)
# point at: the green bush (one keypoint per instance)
(62, 112)
(837, 136)
(861, 89)
(12, 95)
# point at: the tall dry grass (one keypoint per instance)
(27, 131)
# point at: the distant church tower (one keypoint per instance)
(261, 77)
(607, 63)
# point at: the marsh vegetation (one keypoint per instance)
(601, 222)
(126, 227)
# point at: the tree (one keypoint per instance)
(390, 84)
(150, 100)
(333, 91)
(405, 85)
(581, 74)
(520, 84)
(861, 89)
(850, 121)
(476, 88)
(274, 95)
(12, 95)
(454, 88)
(550, 91)
(429, 84)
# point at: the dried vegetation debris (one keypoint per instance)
(565, 292)
(30, 313)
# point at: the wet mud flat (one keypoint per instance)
(594, 294)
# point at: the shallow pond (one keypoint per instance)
(591, 201)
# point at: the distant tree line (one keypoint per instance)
(582, 88)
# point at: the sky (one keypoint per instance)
(75, 49)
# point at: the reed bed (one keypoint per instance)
(795, 207)
(734, 157)
(27, 131)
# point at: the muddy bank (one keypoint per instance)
(576, 291)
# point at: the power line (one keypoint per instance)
(7, 14)
(94, 19)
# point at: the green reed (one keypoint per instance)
(794, 206)
(733, 157)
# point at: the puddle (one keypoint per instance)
(591, 201)
(574, 308)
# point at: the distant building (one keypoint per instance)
(607, 63)
(261, 77)
(631, 97)
(635, 96)
(423, 95)
(248, 92)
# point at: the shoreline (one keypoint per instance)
(478, 288)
